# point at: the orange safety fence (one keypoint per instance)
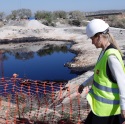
(25, 101)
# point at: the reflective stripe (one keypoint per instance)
(101, 99)
(104, 88)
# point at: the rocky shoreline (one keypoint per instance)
(31, 38)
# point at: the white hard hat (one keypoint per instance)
(96, 26)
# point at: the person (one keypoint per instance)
(107, 94)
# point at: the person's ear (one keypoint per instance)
(99, 37)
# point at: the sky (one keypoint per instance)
(7, 6)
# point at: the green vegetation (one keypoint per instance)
(72, 18)
(114, 21)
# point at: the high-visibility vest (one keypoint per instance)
(104, 95)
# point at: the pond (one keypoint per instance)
(47, 64)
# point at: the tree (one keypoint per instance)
(60, 14)
(2, 16)
(20, 13)
(77, 15)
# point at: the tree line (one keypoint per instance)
(49, 18)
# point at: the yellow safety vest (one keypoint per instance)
(104, 95)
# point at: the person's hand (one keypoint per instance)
(15, 75)
(123, 113)
(80, 89)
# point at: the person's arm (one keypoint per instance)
(87, 82)
(119, 75)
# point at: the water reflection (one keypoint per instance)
(47, 64)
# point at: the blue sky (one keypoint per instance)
(67, 5)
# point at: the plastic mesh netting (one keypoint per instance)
(25, 101)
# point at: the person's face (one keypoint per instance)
(96, 40)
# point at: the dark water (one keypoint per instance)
(41, 65)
